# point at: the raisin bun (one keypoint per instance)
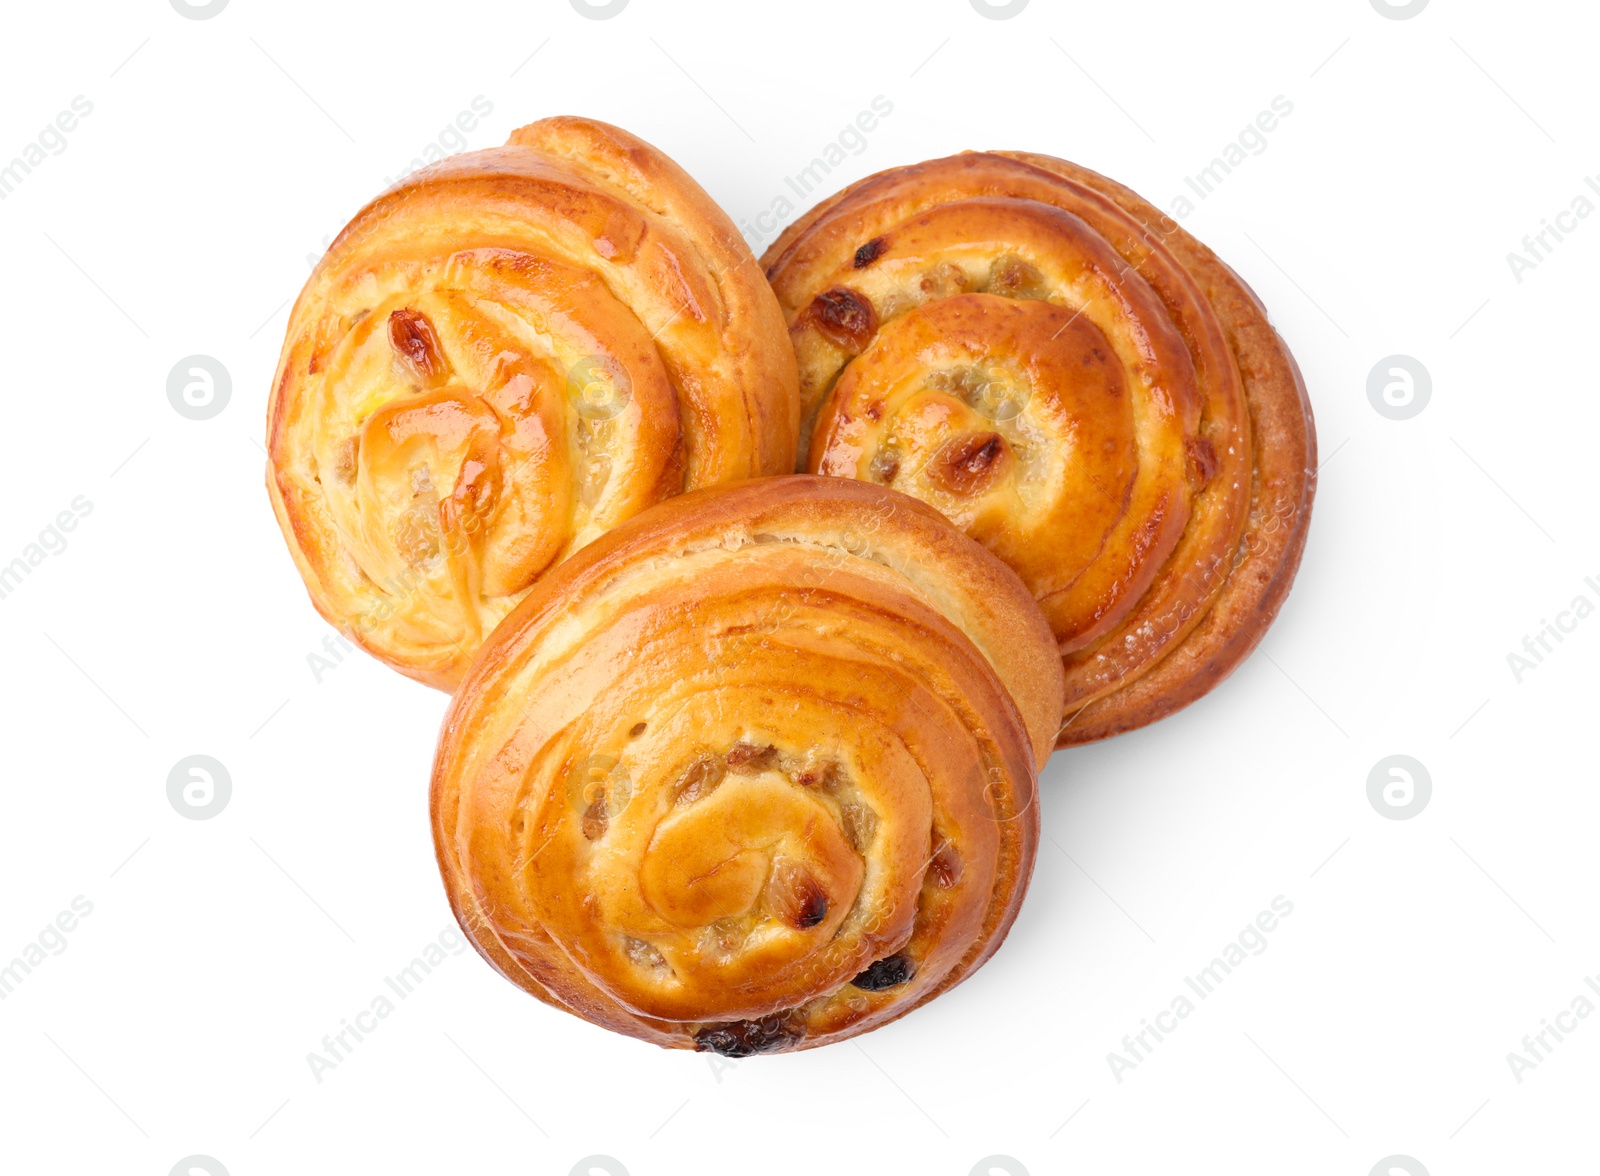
(753, 771)
(500, 358)
(1075, 382)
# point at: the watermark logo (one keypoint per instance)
(598, 11)
(1397, 1165)
(599, 387)
(1393, 11)
(198, 387)
(1399, 387)
(604, 1165)
(198, 1165)
(1006, 1165)
(199, 787)
(1399, 787)
(199, 12)
(998, 11)
(1000, 397)
(599, 789)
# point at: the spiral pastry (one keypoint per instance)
(499, 359)
(1078, 384)
(753, 771)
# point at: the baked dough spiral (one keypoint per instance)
(1077, 383)
(500, 358)
(753, 771)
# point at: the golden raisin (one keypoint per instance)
(416, 343)
(966, 465)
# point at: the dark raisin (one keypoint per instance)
(886, 973)
(794, 896)
(870, 252)
(742, 1039)
(844, 317)
(636, 730)
(813, 909)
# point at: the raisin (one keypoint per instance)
(965, 465)
(726, 936)
(644, 955)
(885, 465)
(860, 823)
(700, 780)
(844, 317)
(827, 775)
(813, 909)
(870, 252)
(886, 973)
(747, 759)
(1203, 461)
(597, 817)
(416, 343)
(944, 280)
(1010, 275)
(795, 896)
(742, 1039)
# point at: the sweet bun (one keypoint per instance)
(754, 771)
(500, 358)
(1077, 383)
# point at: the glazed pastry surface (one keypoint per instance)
(753, 771)
(497, 360)
(1078, 384)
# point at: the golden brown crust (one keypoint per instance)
(1148, 462)
(753, 771)
(497, 360)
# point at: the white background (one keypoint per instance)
(178, 220)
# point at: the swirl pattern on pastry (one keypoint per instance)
(753, 771)
(1078, 384)
(499, 359)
